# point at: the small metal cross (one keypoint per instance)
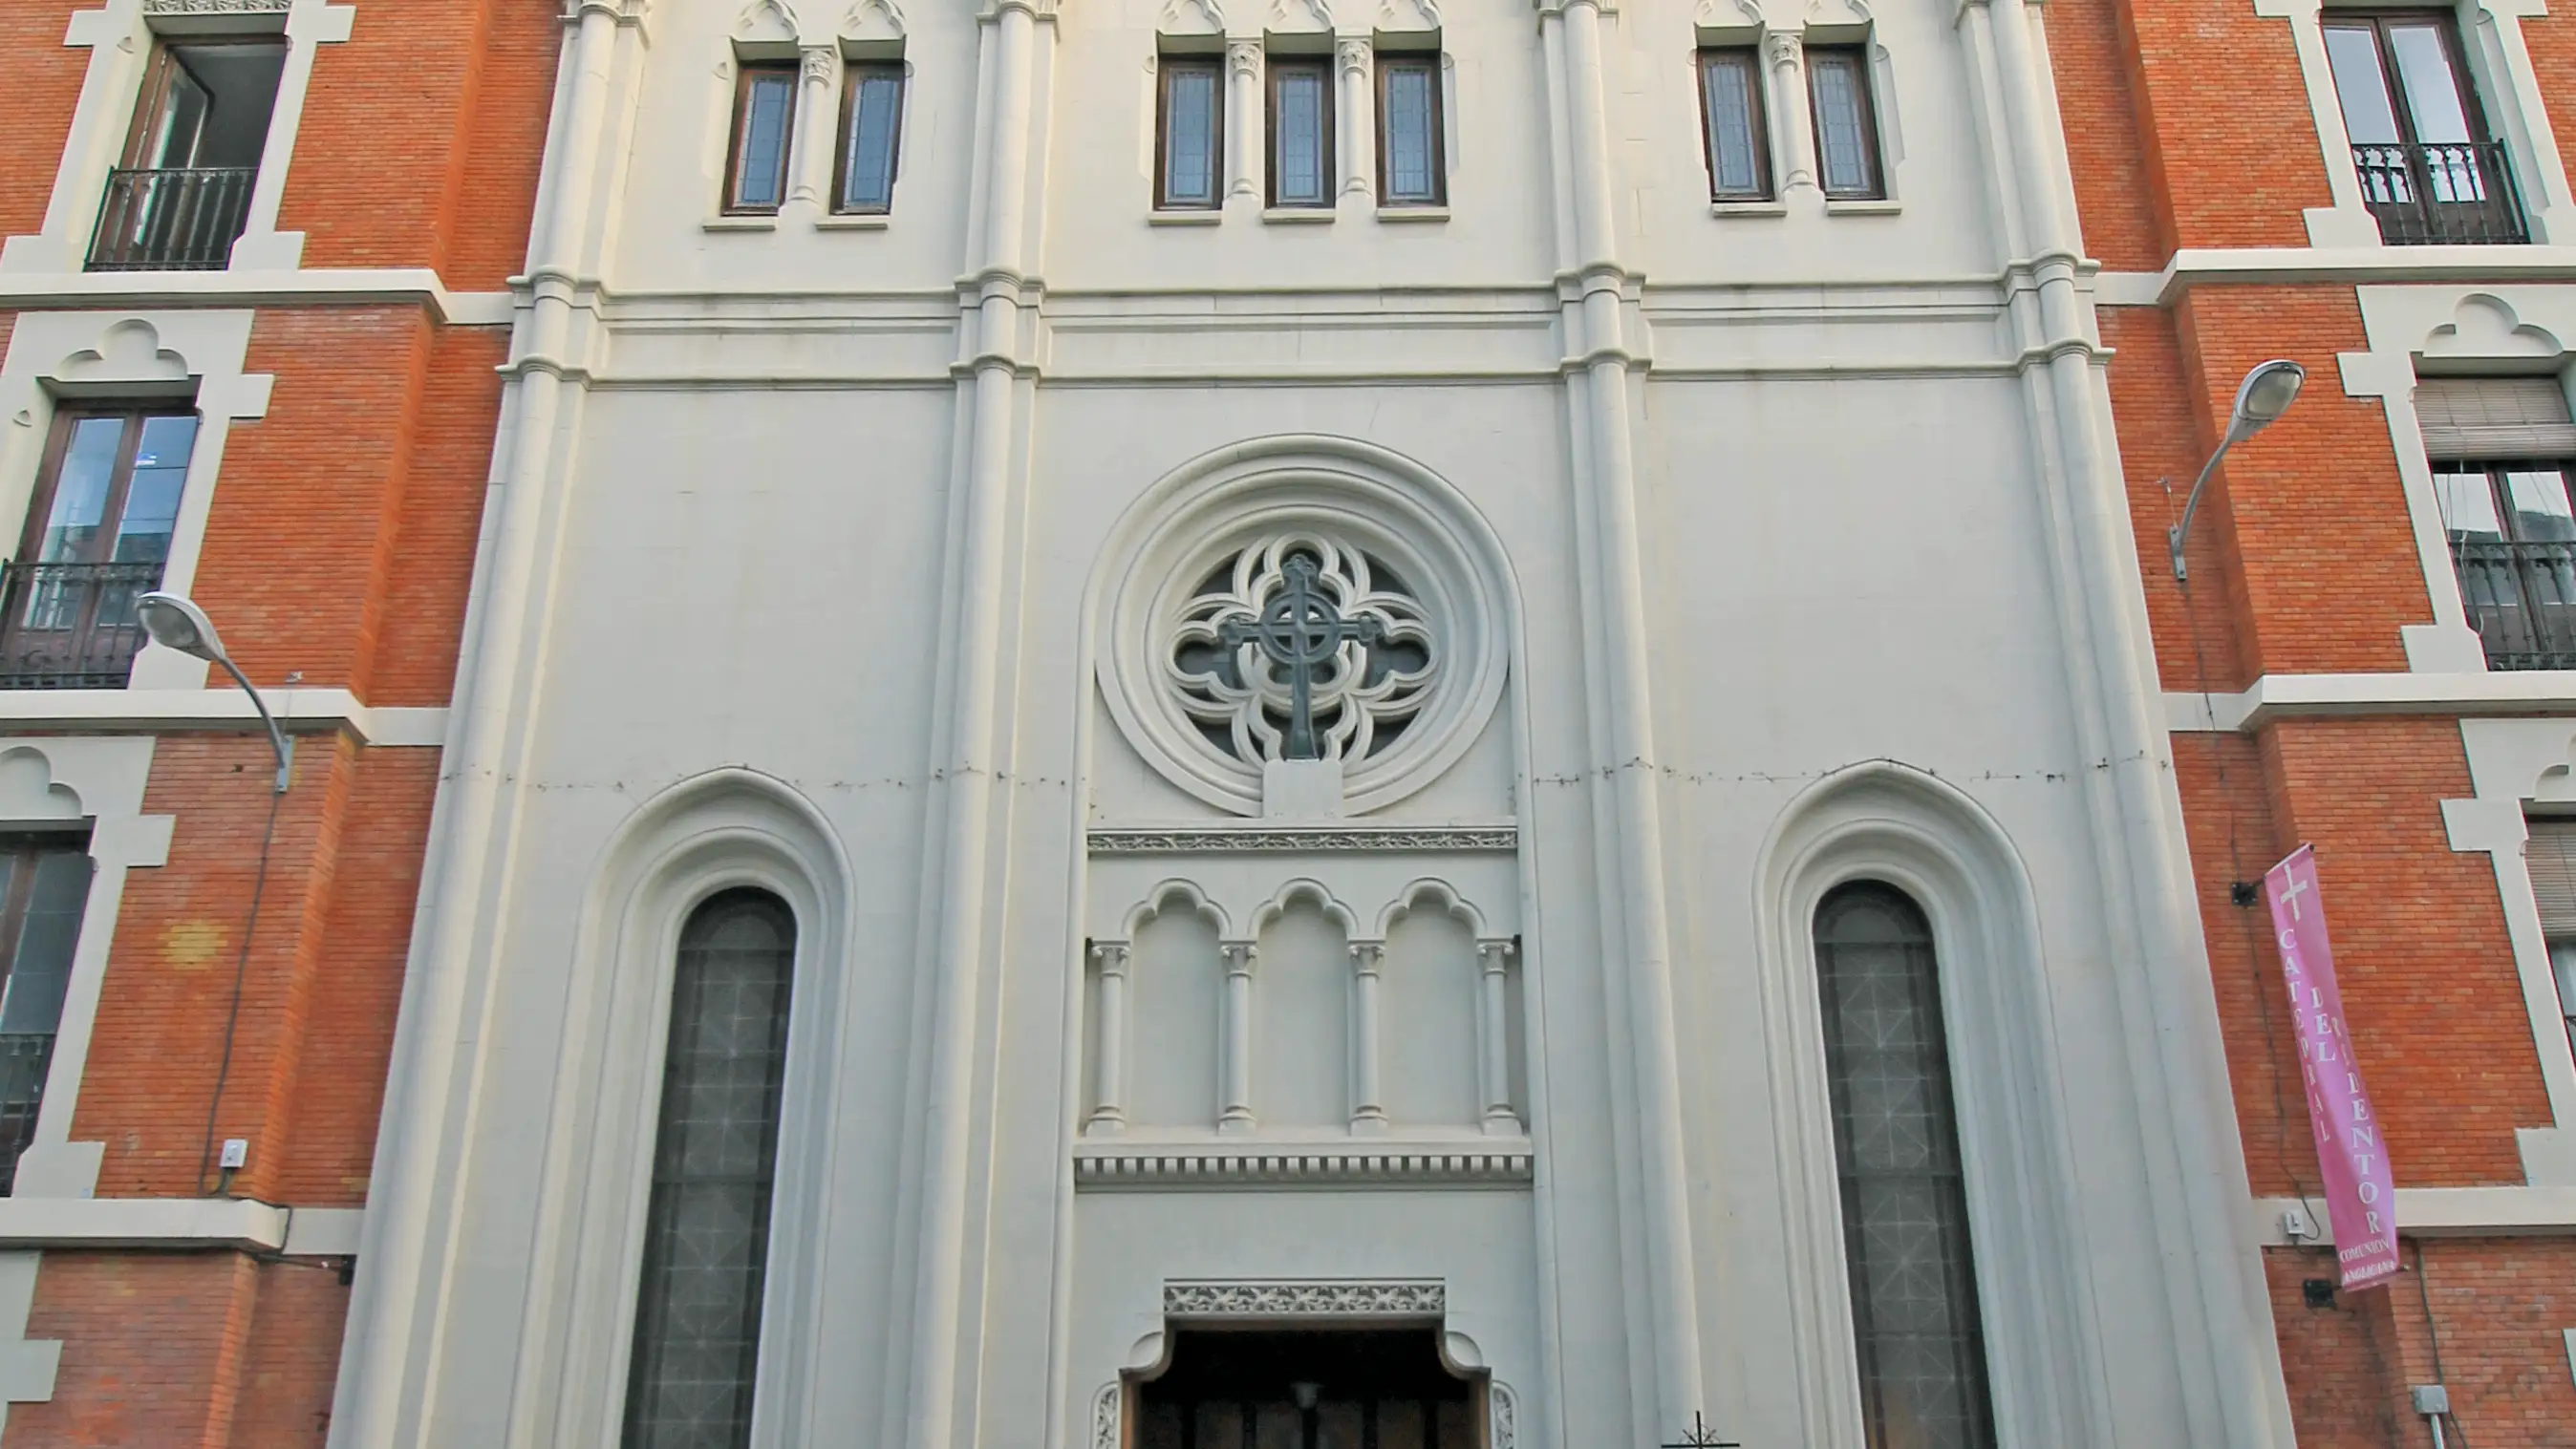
(1700, 1436)
(1300, 629)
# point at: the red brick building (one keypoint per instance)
(251, 304)
(2364, 655)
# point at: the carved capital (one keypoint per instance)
(1367, 957)
(1109, 957)
(1244, 56)
(1239, 956)
(819, 63)
(1353, 55)
(1494, 956)
(1781, 48)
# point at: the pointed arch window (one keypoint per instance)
(1919, 1344)
(715, 1167)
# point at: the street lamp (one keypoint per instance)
(176, 623)
(2266, 393)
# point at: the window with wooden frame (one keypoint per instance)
(180, 194)
(2503, 451)
(1189, 133)
(98, 531)
(44, 887)
(2430, 170)
(2551, 856)
(1732, 137)
(871, 138)
(764, 124)
(1847, 160)
(1301, 131)
(1411, 169)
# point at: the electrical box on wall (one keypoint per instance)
(236, 1152)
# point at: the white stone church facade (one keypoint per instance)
(1296, 751)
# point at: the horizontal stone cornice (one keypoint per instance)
(178, 1223)
(2287, 696)
(317, 287)
(225, 710)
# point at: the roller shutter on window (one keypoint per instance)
(2551, 857)
(2494, 417)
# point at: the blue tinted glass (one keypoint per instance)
(1300, 144)
(1840, 125)
(869, 186)
(80, 491)
(763, 177)
(1730, 125)
(1189, 137)
(1409, 161)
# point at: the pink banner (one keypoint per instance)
(2361, 1193)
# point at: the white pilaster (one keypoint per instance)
(388, 1356)
(1637, 933)
(1354, 65)
(816, 136)
(1796, 145)
(1493, 1045)
(1368, 1098)
(1243, 121)
(2218, 1304)
(1234, 1042)
(1109, 1114)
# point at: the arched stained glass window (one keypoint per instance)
(715, 1165)
(1896, 1153)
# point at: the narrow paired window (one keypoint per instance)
(871, 137)
(1301, 133)
(1730, 97)
(1846, 122)
(764, 118)
(715, 1166)
(1189, 134)
(1410, 165)
(2503, 451)
(1920, 1346)
(2430, 171)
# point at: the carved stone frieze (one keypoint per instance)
(1308, 1298)
(215, 7)
(1132, 1169)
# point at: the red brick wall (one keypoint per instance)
(40, 81)
(420, 140)
(2119, 191)
(2233, 162)
(2551, 39)
(211, 1350)
(2484, 1317)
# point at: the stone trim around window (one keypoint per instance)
(119, 39)
(2493, 46)
(174, 354)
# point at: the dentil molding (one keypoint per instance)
(1131, 1168)
(1220, 841)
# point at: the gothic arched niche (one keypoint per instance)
(1308, 610)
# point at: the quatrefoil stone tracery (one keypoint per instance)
(1302, 647)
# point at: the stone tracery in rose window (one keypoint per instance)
(1302, 647)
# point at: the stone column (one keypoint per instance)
(1790, 118)
(1493, 1042)
(1368, 1105)
(1234, 1041)
(814, 137)
(1244, 120)
(1109, 1115)
(1356, 69)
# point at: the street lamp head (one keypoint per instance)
(175, 623)
(2266, 393)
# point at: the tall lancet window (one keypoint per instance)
(715, 1162)
(1896, 1151)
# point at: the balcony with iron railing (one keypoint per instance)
(2435, 195)
(183, 219)
(25, 1057)
(2521, 598)
(71, 626)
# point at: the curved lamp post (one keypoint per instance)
(176, 623)
(2266, 393)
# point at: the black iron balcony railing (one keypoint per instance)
(175, 220)
(71, 626)
(24, 1059)
(2427, 195)
(2521, 599)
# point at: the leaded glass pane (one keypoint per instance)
(1297, 160)
(1896, 1153)
(715, 1160)
(1189, 134)
(876, 101)
(1412, 164)
(1728, 96)
(761, 180)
